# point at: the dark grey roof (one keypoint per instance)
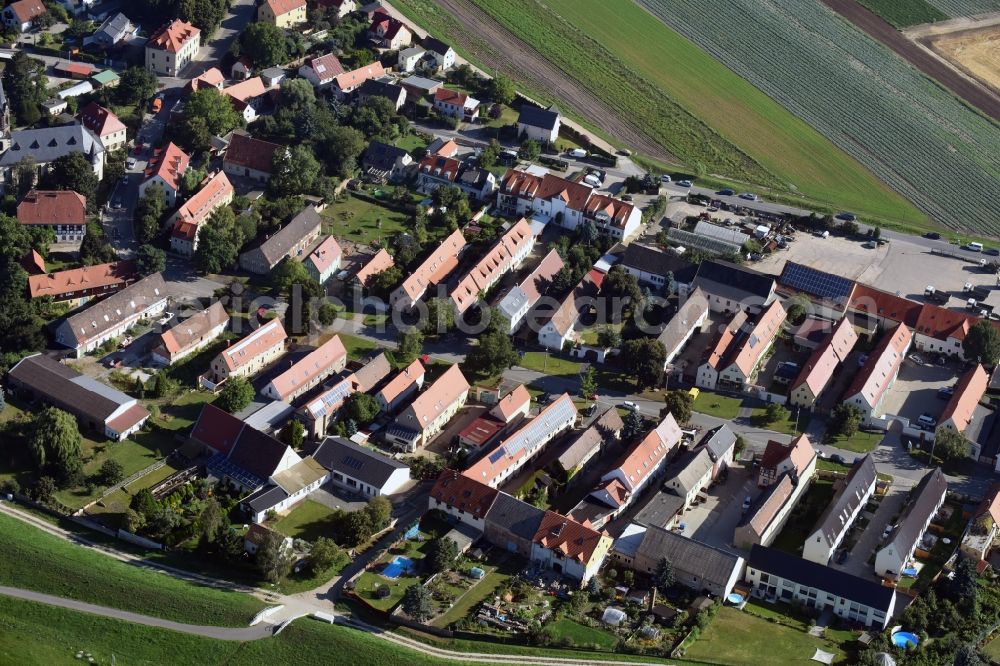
(372, 372)
(719, 441)
(342, 455)
(691, 468)
(532, 115)
(474, 177)
(923, 502)
(116, 26)
(821, 577)
(836, 518)
(116, 308)
(382, 156)
(435, 45)
(421, 82)
(657, 262)
(515, 516)
(678, 329)
(257, 453)
(605, 427)
(67, 388)
(277, 246)
(48, 144)
(707, 562)
(660, 510)
(376, 88)
(265, 498)
(735, 277)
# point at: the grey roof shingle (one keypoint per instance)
(693, 468)
(736, 278)
(342, 455)
(109, 313)
(277, 246)
(535, 117)
(382, 156)
(515, 516)
(855, 490)
(48, 144)
(63, 385)
(657, 262)
(719, 441)
(707, 562)
(923, 503)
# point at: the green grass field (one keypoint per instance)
(549, 364)
(905, 14)
(859, 442)
(804, 516)
(32, 559)
(581, 634)
(720, 406)
(358, 220)
(309, 520)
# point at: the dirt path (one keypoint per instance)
(499, 49)
(877, 28)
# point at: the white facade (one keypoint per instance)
(169, 62)
(952, 346)
(156, 308)
(819, 547)
(203, 342)
(392, 485)
(550, 338)
(168, 189)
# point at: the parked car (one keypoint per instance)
(933, 235)
(626, 197)
(945, 392)
(117, 203)
(926, 421)
(578, 153)
(684, 183)
(837, 458)
(726, 192)
(916, 358)
(887, 531)
(841, 556)
(665, 178)
(847, 217)
(747, 501)
(130, 162)
(992, 251)
(749, 196)
(631, 406)
(870, 245)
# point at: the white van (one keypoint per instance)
(975, 247)
(631, 406)
(578, 153)
(592, 180)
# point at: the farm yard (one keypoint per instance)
(615, 80)
(901, 125)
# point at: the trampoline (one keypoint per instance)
(400, 565)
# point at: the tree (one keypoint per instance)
(151, 259)
(609, 337)
(669, 284)
(341, 147)
(26, 87)
(950, 445)
(679, 404)
(216, 250)
(273, 559)
(663, 576)
(361, 408)
(982, 343)
(54, 441)
(417, 603)
(288, 273)
(136, 85)
(293, 433)
(440, 316)
(963, 586)
(845, 419)
(619, 283)
(149, 211)
(587, 232)
(356, 528)
(588, 384)
(73, 171)
(194, 133)
(265, 44)
(325, 554)
(44, 488)
(214, 108)
(775, 413)
(379, 511)
(798, 309)
(206, 15)
(235, 395)
(111, 472)
(410, 346)
(326, 314)
(95, 248)
(495, 351)
(294, 172)
(211, 520)
(501, 89)
(644, 360)
(296, 94)
(383, 283)
(144, 504)
(488, 156)
(530, 150)
(594, 590)
(632, 424)
(441, 554)
(376, 118)
(967, 655)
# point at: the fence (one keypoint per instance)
(128, 537)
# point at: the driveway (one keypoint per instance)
(857, 558)
(714, 520)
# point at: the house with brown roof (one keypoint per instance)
(191, 335)
(343, 7)
(105, 124)
(430, 411)
(688, 321)
(455, 104)
(768, 514)
(432, 271)
(735, 358)
(797, 458)
(216, 191)
(111, 318)
(326, 360)
(97, 407)
(21, 15)
(63, 211)
(942, 331)
(872, 383)
(506, 255)
(210, 78)
(247, 157)
(436, 171)
(171, 48)
(324, 260)
(818, 371)
(850, 498)
(319, 413)
(887, 309)
(558, 330)
(248, 356)
(569, 548)
(518, 302)
(380, 261)
(290, 241)
(76, 286)
(283, 13)
(462, 498)
(408, 381)
(606, 428)
(247, 97)
(165, 169)
(506, 413)
(387, 32)
(347, 82)
(960, 411)
(984, 524)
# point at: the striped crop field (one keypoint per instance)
(956, 8)
(913, 134)
(667, 87)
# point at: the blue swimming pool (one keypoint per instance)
(904, 639)
(400, 565)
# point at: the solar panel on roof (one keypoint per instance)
(220, 466)
(815, 282)
(496, 455)
(352, 462)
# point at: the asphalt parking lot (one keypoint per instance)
(714, 520)
(915, 390)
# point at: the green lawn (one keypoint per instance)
(34, 633)
(35, 560)
(859, 442)
(118, 501)
(369, 581)
(786, 426)
(739, 638)
(357, 348)
(549, 364)
(992, 650)
(483, 590)
(309, 520)
(719, 406)
(410, 142)
(357, 220)
(804, 516)
(582, 635)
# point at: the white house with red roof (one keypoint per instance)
(872, 383)
(506, 255)
(21, 15)
(818, 371)
(104, 124)
(399, 389)
(797, 458)
(282, 13)
(436, 171)
(63, 211)
(434, 269)
(748, 345)
(324, 261)
(76, 286)
(248, 356)
(215, 193)
(380, 261)
(165, 169)
(191, 335)
(455, 104)
(322, 70)
(347, 82)
(172, 48)
(942, 331)
(326, 360)
(558, 330)
(388, 33)
(247, 97)
(428, 414)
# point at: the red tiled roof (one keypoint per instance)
(25, 10)
(216, 429)
(968, 392)
(882, 365)
(445, 168)
(245, 151)
(463, 493)
(120, 273)
(213, 194)
(800, 451)
(876, 302)
(381, 261)
(212, 78)
(169, 164)
(481, 430)
(821, 365)
(316, 363)
(437, 266)
(245, 90)
(512, 403)
(33, 262)
(52, 207)
(438, 396)
(645, 457)
(942, 323)
(326, 66)
(279, 7)
(616, 209)
(172, 36)
(492, 266)
(264, 338)
(541, 278)
(447, 149)
(752, 347)
(99, 120)
(354, 78)
(567, 537)
(128, 418)
(713, 355)
(402, 381)
(448, 96)
(79, 68)
(520, 184)
(574, 194)
(188, 332)
(325, 254)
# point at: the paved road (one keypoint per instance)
(221, 633)
(240, 13)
